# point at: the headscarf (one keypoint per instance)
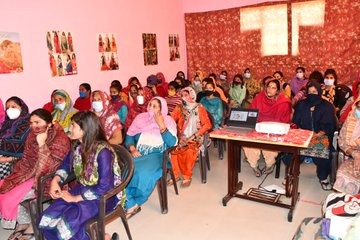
(127, 88)
(64, 117)
(57, 143)
(164, 83)
(108, 117)
(220, 91)
(14, 132)
(276, 109)
(296, 84)
(313, 100)
(136, 108)
(191, 116)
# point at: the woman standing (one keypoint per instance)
(97, 171)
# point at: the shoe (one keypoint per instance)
(257, 171)
(325, 185)
(269, 170)
(115, 236)
(132, 211)
(185, 183)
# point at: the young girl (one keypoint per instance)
(97, 171)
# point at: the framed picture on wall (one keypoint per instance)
(61, 51)
(150, 49)
(107, 45)
(174, 47)
(10, 53)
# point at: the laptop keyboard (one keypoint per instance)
(238, 130)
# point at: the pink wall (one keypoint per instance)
(84, 19)
(190, 6)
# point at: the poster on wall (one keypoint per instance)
(150, 49)
(10, 53)
(62, 56)
(107, 51)
(174, 47)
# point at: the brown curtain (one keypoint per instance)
(215, 43)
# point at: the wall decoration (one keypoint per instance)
(107, 51)
(150, 49)
(10, 53)
(62, 57)
(174, 47)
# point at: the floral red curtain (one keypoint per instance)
(215, 43)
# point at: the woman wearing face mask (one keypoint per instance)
(348, 174)
(192, 123)
(45, 148)
(149, 135)
(108, 117)
(117, 103)
(83, 102)
(252, 87)
(299, 81)
(139, 102)
(237, 91)
(330, 81)
(213, 104)
(196, 83)
(173, 99)
(63, 109)
(317, 115)
(274, 107)
(13, 134)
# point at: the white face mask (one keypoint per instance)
(247, 75)
(329, 82)
(300, 75)
(97, 106)
(222, 77)
(60, 106)
(196, 83)
(13, 113)
(140, 99)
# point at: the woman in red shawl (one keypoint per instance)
(162, 85)
(45, 148)
(109, 119)
(131, 81)
(273, 106)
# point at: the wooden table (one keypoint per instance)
(292, 142)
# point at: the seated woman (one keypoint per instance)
(137, 103)
(2, 112)
(109, 119)
(318, 115)
(213, 104)
(63, 109)
(96, 168)
(117, 103)
(192, 122)
(13, 134)
(123, 96)
(237, 91)
(273, 106)
(45, 148)
(83, 102)
(150, 134)
(49, 106)
(348, 174)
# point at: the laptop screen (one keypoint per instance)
(240, 117)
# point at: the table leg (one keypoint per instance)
(233, 185)
(292, 183)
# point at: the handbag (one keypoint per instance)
(318, 147)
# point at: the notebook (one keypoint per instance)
(242, 120)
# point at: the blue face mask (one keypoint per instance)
(357, 113)
(82, 94)
(114, 97)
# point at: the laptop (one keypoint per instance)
(242, 120)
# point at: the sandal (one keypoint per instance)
(170, 182)
(133, 212)
(257, 171)
(269, 170)
(325, 185)
(185, 183)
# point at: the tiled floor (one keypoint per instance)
(197, 212)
